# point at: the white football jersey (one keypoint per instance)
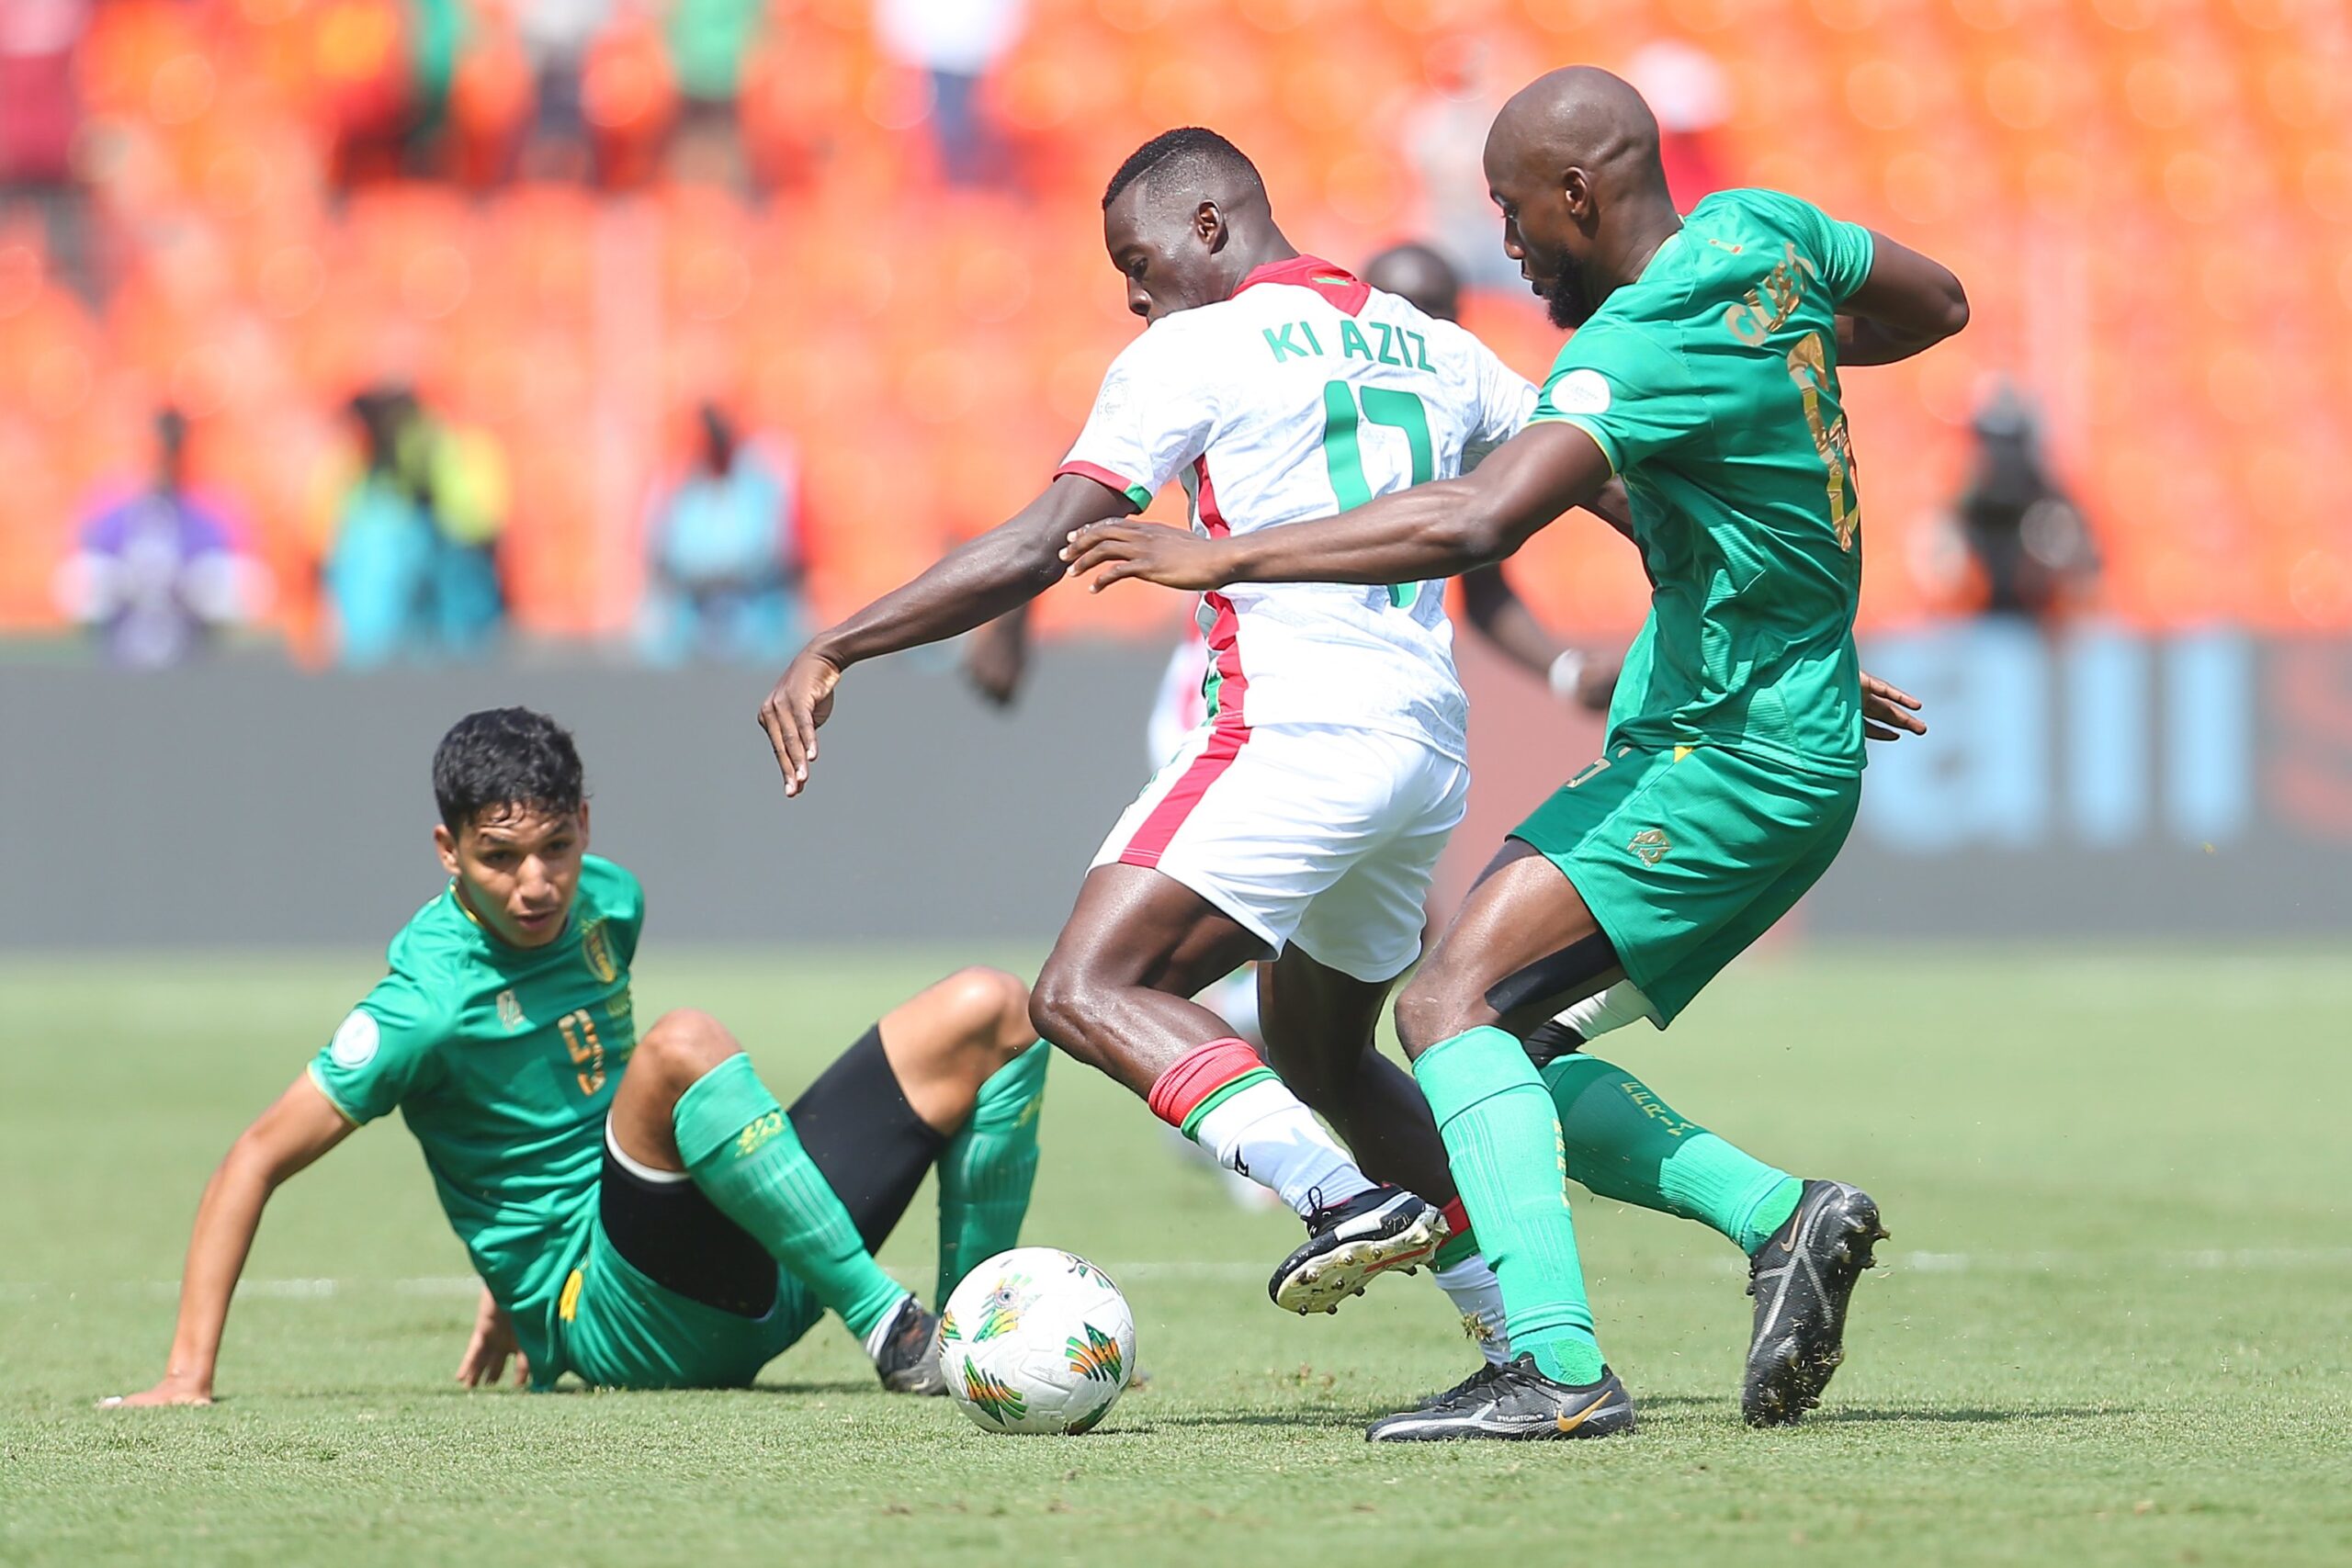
(1306, 394)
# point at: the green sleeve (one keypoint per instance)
(385, 1051)
(1632, 396)
(1841, 252)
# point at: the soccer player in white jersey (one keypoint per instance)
(1301, 824)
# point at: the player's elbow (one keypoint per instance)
(1952, 308)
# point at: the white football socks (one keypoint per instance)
(1268, 1136)
(1478, 1295)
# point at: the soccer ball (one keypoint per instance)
(1037, 1341)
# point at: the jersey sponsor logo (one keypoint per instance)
(354, 1046)
(511, 1017)
(596, 949)
(1581, 392)
(1651, 844)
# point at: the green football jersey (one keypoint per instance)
(503, 1061)
(1710, 384)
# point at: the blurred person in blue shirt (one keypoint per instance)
(413, 570)
(724, 562)
(158, 574)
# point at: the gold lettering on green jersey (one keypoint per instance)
(587, 1052)
(1809, 368)
(1351, 341)
(1784, 286)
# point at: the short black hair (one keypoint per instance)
(1188, 148)
(504, 757)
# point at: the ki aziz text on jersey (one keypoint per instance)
(1405, 349)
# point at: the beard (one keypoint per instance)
(1565, 298)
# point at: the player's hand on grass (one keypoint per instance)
(803, 699)
(1173, 558)
(493, 1346)
(171, 1390)
(1889, 713)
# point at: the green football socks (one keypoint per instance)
(1625, 1142)
(740, 1148)
(987, 1168)
(1502, 1139)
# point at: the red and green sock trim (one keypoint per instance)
(1204, 1078)
(1460, 1242)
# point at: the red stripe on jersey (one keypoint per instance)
(1232, 732)
(1099, 474)
(1225, 629)
(1338, 287)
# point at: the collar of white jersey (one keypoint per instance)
(1342, 288)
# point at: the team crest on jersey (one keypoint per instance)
(1651, 845)
(511, 1017)
(596, 948)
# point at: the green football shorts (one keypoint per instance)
(1687, 856)
(621, 1330)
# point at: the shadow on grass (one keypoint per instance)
(1326, 1418)
(1965, 1418)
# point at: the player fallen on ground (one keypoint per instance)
(641, 1211)
(1705, 375)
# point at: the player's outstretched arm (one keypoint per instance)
(978, 582)
(1908, 303)
(295, 1130)
(1442, 529)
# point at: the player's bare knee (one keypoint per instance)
(1429, 1010)
(683, 1046)
(991, 1011)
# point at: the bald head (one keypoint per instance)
(1581, 116)
(1573, 162)
(1421, 275)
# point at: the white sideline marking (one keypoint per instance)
(439, 1286)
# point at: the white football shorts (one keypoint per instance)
(1324, 836)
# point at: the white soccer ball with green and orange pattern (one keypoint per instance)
(1037, 1341)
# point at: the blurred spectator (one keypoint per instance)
(709, 42)
(557, 36)
(957, 43)
(363, 74)
(723, 554)
(1444, 140)
(413, 570)
(491, 97)
(39, 113)
(1691, 97)
(2029, 539)
(628, 98)
(158, 574)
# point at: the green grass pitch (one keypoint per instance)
(2117, 1326)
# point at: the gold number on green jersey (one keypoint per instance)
(578, 1032)
(1809, 367)
(1344, 457)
